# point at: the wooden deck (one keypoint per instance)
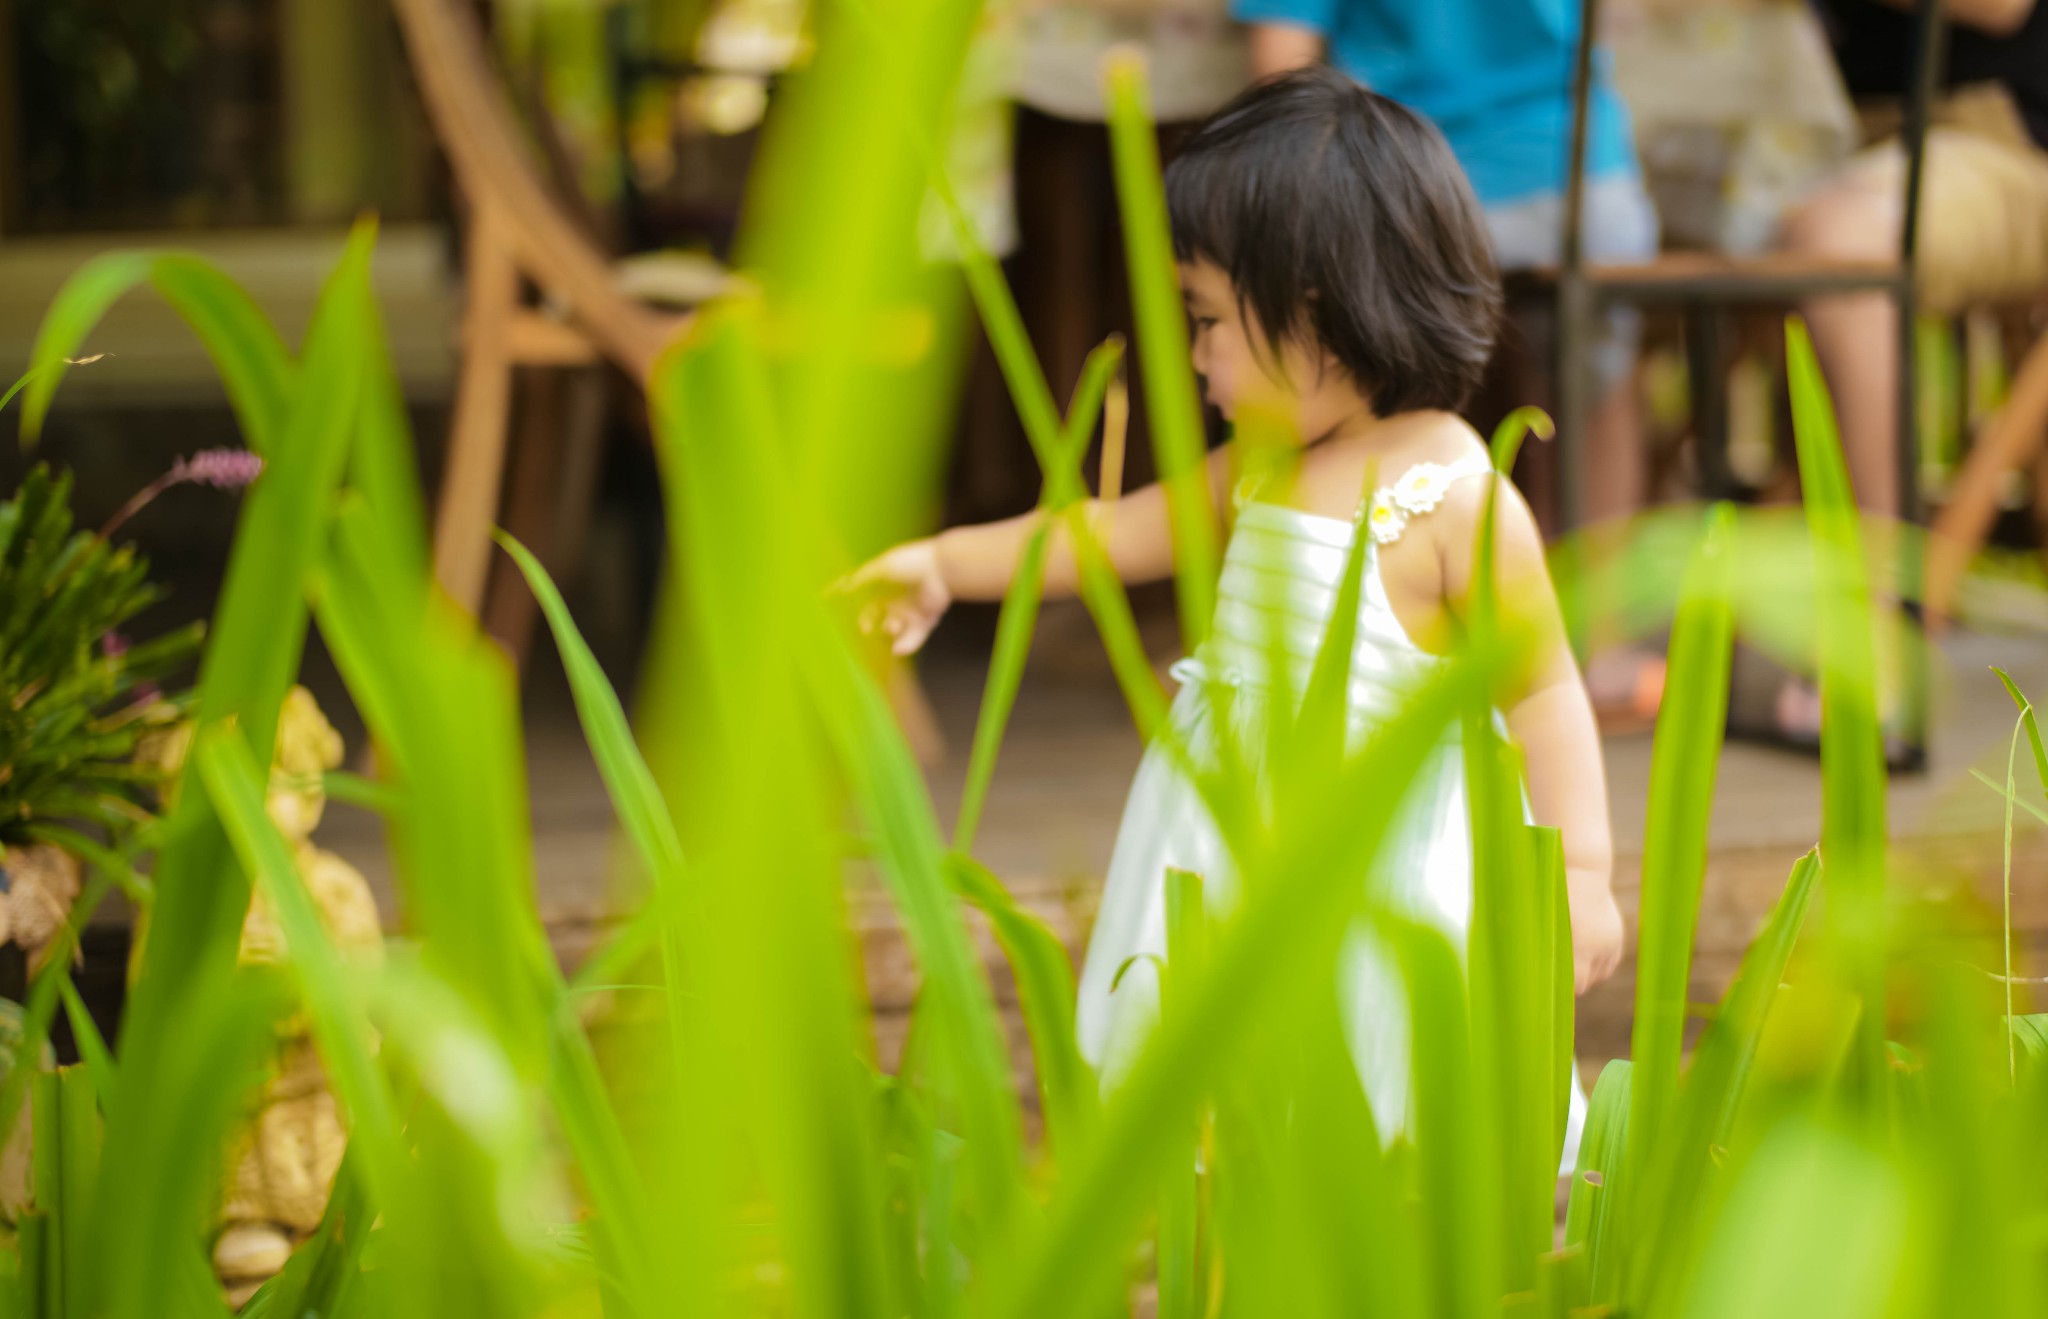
(1067, 763)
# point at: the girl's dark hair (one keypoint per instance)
(1342, 218)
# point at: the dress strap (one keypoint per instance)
(1418, 491)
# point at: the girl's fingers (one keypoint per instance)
(875, 572)
(916, 627)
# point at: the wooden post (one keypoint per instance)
(2010, 442)
(476, 443)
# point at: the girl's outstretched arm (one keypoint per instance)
(1550, 717)
(917, 581)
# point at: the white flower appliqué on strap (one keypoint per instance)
(1385, 518)
(1420, 489)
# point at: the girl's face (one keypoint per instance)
(1237, 362)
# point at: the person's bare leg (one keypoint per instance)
(1856, 336)
(1614, 479)
(1624, 676)
(1856, 339)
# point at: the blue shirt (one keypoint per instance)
(1493, 75)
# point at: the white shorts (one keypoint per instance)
(1619, 225)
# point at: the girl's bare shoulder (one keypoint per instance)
(1347, 471)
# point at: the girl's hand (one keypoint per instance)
(912, 592)
(1596, 930)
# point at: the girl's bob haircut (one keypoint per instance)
(1344, 222)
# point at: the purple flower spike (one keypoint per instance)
(224, 469)
(113, 645)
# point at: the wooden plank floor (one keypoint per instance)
(1067, 763)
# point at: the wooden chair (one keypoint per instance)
(1707, 285)
(2013, 440)
(538, 293)
(584, 310)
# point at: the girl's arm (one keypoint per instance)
(920, 578)
(1550, 717)
(1277, 47)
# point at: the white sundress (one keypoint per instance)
(1280, 581)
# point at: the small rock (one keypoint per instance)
(251, 1250)
(42, 883)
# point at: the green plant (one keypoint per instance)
(715, 1136)
(79, 698)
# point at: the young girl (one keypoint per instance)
(1335, 266)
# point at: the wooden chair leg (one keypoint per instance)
(584, 409)
(560, 437)
(2009, 443)
(914, 714)
(476, 443)
(533, 464)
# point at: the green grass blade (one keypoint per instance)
(1172, 409)
(1461, 1237)
(1303, 907)
(1592, 1220)
(258, 636)
(1683, 764)
(1110, 607)
(1022, 373)
(92, 1047)
(1729, 1044)
(1014, 625)
(337, 1013)
(746, 764)
(1511, 1031)
(365, 793)
(1815, 1230)
(442, 705)
(1515, 1024)
(1676, 1179)
(317, 1273)
(1186, 947)
(63, 1220)
(2028, 721)
(1020, 603)
(77, 307)
(42, 1002)
(434, 695)
(1852, 752)
(78, 1138)
(253, 362)
(634, 793)
(382, 464)
(160, 1166)
(117, 868)
(1045, 995)
(614, 959)
(891, 796)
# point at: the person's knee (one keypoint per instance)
(1848, 223)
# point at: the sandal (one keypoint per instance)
(1769, 705)
(1626, 687)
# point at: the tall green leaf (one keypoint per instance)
(1301, 907)
(1593, 1221)
(1852, 751)
(254, 363)
(1020, 603)
(1170, 396)
(1677, 1172)
(1683, 764)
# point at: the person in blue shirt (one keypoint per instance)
(1495, 78)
